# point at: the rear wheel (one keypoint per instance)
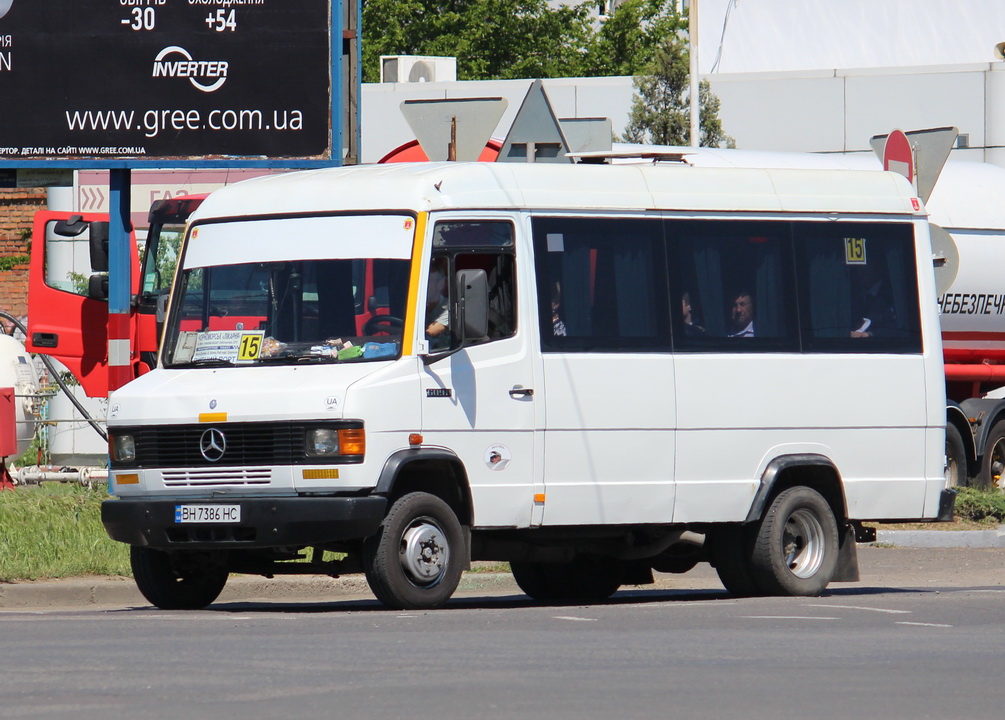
(956, 459)
(732, 546)
(586, 577)
(993, 468)
(187, 580)
(416, 558)
(796, 551)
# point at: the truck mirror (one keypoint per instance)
(473, 303)
(99, 247)
(97, 287)
(71, 227)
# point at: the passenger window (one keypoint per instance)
(472, 245)
(860, 293)
(601, 284)
(734, 286)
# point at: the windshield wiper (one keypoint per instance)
(296, 359)
(205, 362)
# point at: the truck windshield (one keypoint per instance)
(291, 291)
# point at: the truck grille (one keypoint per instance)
(223, 476)
(247, 444)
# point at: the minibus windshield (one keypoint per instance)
(291, 291)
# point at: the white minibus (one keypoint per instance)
(592, 372)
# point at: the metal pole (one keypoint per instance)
(692, 41)
(119, 280)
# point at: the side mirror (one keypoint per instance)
(473, 304)
(97, 287)
(99, 246)
(72, 227)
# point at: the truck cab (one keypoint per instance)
(68, 288)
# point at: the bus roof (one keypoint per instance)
(438, 186)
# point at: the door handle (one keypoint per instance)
(46, 340)
(518, 392)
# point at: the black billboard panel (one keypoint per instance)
(183, 79)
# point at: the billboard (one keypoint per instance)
(180, 79)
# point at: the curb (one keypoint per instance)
(964, 539)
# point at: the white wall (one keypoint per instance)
(802, 110)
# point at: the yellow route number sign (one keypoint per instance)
(251, 346)
(854, 251)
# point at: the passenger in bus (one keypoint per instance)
(742, 314)
(558, 328)
(691, 328)
(874, 312)
(437, 307)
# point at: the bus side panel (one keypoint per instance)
(864, 412)
(609, 438)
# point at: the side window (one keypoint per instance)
(859, 287)
(69, 255)
(734, 284)
(601, 284)
(486, 245)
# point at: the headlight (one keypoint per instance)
(122, 448)
(331, 442)
(322, 442)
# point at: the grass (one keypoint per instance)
(55, 531)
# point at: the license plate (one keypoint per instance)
(207, 513)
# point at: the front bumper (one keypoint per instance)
(265, 522)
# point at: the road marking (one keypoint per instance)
(575, 619)
(862, 607)
(788, 617)
(921, 624)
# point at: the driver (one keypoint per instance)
(437, 307)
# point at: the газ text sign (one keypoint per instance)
(149, 79)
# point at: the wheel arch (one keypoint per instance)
(435, 471)
(809, 469)
(956, 417)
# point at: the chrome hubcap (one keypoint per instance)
(424, 552)
(803, 543)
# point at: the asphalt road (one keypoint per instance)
(922, 636)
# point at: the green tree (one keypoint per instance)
(660, 113)
(627, 41)
(506, 39)
(491, 39)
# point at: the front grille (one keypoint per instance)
(252, 446)
(223, 476)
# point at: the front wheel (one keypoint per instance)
(796, 550)
(182, 580)
(415, 559)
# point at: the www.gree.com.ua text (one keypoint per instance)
(153, 122)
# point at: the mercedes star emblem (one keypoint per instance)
(213, 444)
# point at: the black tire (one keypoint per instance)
(532, 578)
(183, 580)
(415, 559)
(796, 551)
(732, 547)
(992, 472)
(956, 457)
(585, 578)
